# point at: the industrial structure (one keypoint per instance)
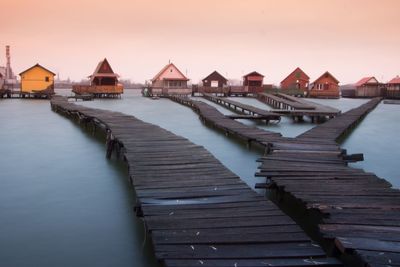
(7, 78)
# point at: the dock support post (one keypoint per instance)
(110, 144)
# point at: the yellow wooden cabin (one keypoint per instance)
(37, 79)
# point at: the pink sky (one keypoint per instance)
(351, 39)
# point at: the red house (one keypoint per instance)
(368, 87)
(298, 79)
(253, 82)
(393, 88)
(326, 86)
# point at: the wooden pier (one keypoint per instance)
(198, 213)
(358, 212)
(210, 115)
(334, 129)
(257, 113)
(297, 107)
(83, 97)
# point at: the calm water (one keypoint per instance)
(63, 204)
(379, 139)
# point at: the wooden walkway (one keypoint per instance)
(197, 212)
(215, 118)
(359, 212)
(334, 129)
(297, 107)
(243, 108)
(252, 135)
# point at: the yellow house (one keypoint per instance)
(37, 79)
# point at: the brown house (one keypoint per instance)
(215, 80)
(103, 82)
(298, 79)
(103, 74)
(169, 80)
(253, 82)
(326, 86)
(393, 88)
(368, 87)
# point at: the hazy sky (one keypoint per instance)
(350, 38)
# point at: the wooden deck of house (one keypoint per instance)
(358, 212)
(198, 213)
(297, 107)
(42, 94)
(257, 113)
(99, 91)
(201, 90)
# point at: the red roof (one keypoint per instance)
(103, 69)
(326, 73)
(293, 72)
(395, 80)
(364, 81)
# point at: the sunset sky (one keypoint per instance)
(351, 39)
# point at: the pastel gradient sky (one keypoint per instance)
(350, 38)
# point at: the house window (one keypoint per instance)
(170, 70)
(47, 79)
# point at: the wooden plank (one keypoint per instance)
(297, 262)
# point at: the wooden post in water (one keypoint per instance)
(109, 143)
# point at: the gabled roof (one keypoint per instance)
(163, 70)
(395, 80)
(293, 72)
(216, 73)
(327, 73)
(37, 66)
(254, 73)
(103, 69)
(366, 80)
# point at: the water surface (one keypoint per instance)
(62, 203)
